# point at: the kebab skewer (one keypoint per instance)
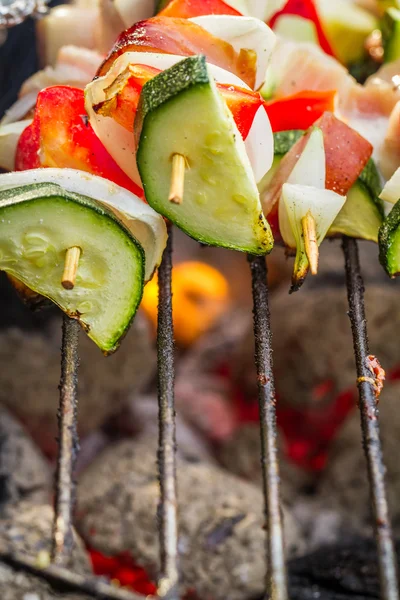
(108, 104)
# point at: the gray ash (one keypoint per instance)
(222, 540)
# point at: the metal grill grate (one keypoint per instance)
(168, 585)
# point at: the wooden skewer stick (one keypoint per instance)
(177, 179)
(70, 267)
(310, 241)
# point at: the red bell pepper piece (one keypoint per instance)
(187, 9)
(61, 136)
(243, 105)
(123, 106)
(307, 10)
(299, 111)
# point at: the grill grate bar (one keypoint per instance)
(68, 443)
(69, 581)
(168, 507)
(370, 424)
(277, 576)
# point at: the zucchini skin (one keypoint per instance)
(188, 73)
(284, 140)
(386, 233)
(370, 178)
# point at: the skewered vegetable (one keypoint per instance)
(116, 95)
(306, 208)
(218, 201)
(389, 242)
(141, 220)
(391, 34)
(362, 214)
(42, 227)
(60, 136)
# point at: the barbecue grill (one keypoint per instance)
(168, 584)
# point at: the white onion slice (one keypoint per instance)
(132, 11)
(391, 191)
(147, 226)
(120, 143)
(324, 205)
(243, 33)
(19, 109)
(262, 9)
(309, 171)
(9, 136)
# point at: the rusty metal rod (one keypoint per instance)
(168, 507)
(67, 581)
(68, 443)
(370, 425)
(277, 575)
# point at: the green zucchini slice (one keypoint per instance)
(181, 112)
(389, 242)
(39, 222)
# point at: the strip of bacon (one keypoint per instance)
(183, 38)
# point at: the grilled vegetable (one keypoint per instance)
(306, 208)
(391, 34)
(389, 242)
(305, 9)
(9, 137)
(111, 103)
(347, 26)
(346, 154)
(391, 191)
(60, 136)
(300, 110)
(362, 213)
(39, 223)
(220, 203)
(141, 220)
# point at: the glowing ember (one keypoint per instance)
(200, 296)
(122, 570)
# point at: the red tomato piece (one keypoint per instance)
(61, 136)
(307, 10)
(299, 111)
(187, 9)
